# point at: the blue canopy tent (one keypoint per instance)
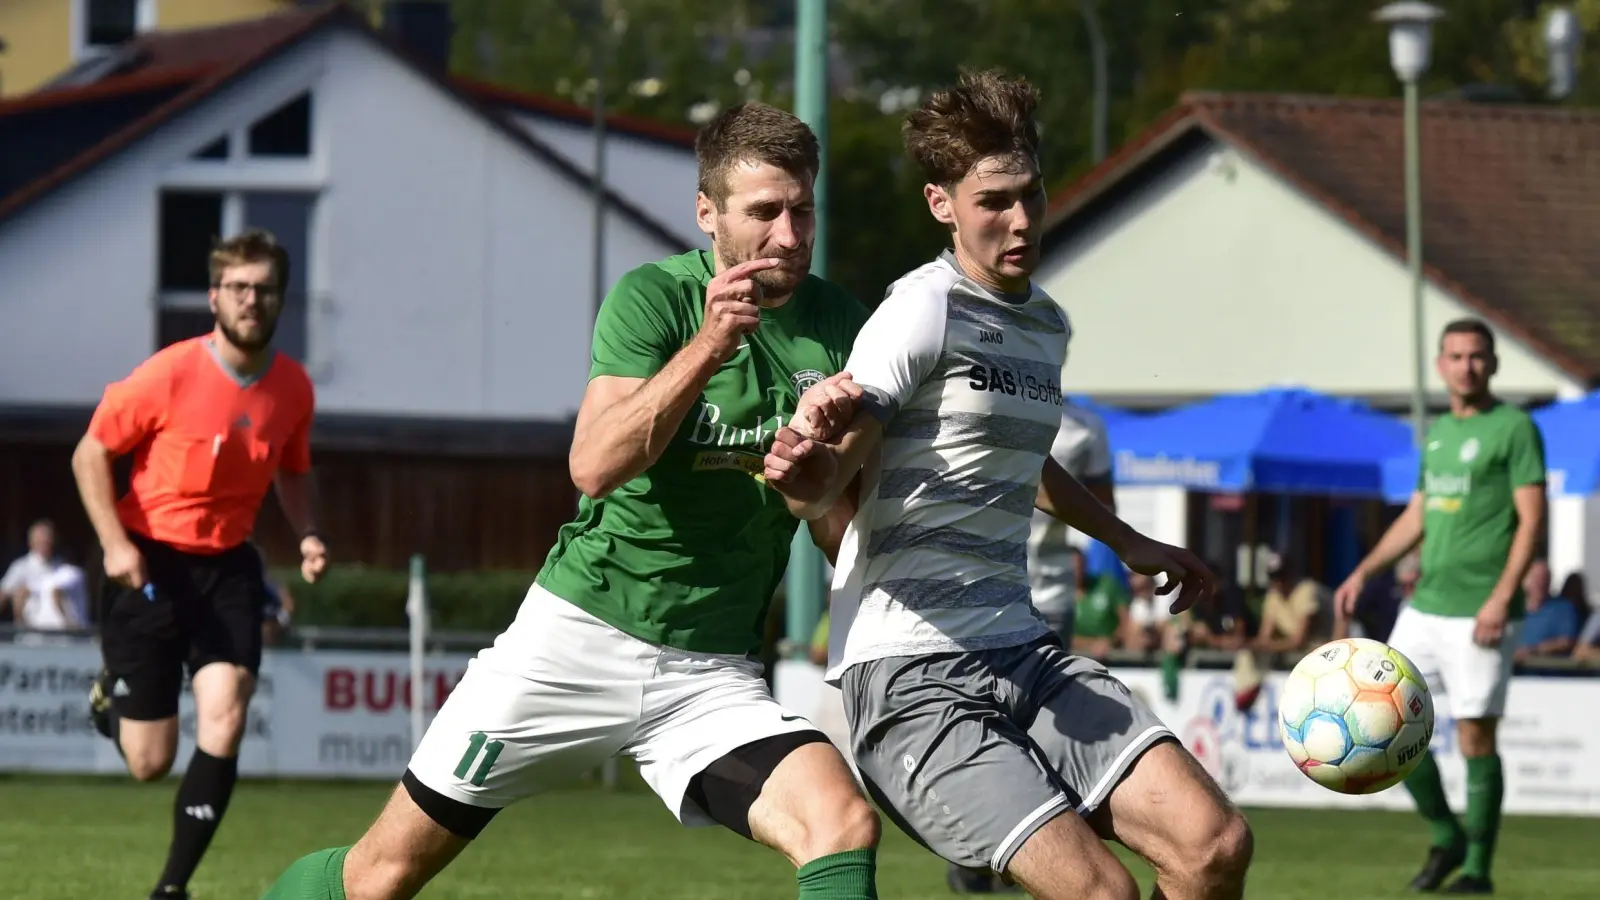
(1400, 476)
(1284, 440)
(1107, 414)
(1572, 443)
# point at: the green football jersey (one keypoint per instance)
(689, 553)
(1471, 466)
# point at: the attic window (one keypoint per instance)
(111, 22)
(286, 132)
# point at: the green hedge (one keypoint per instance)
(357, 597)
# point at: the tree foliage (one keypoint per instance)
(669, 57)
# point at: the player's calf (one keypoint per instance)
(403, 850)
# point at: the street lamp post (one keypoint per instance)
(1410, 44)
(1097, 54)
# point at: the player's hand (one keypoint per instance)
(1489, 625)
(826, 408)
(125, 565)
(733, 307)
(798, 467)
(1185, 572)
(313, 558)
(1348, 593)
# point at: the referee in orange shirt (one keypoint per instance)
(211, 422)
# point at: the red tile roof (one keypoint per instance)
(205, 59)
(1511, 196)
(497, 96)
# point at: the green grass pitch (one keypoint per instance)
(105, 839)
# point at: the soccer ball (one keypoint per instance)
(1355, 716)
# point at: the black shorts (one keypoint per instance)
(205, 609)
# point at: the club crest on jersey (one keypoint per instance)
(1469, 450)
(805, 379)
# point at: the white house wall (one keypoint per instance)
(453, 270)
(1218, 276)
(660, 179)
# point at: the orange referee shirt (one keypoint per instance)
(206, 444)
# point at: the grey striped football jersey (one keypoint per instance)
(967, 384)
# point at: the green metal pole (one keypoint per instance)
(804, 587)
(1419, 387)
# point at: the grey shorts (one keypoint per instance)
(971, 753)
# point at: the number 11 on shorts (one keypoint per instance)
(479, 743)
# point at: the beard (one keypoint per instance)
(779, 282)
(254, 344)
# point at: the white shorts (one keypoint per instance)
(1467, 681)
(560, 692)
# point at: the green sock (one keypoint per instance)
(850, 875)
(1428, 790)
(318, 876)
(1486, 788)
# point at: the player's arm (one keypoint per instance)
(130, 411)
(644, 379)
(1402, 536)
(1525, 460)
(827, 531)
(1530, 503)
(894, 352)
(1066, 498)
(294, 485)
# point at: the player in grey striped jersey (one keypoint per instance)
(972, 726)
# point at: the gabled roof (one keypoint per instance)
(555, 108)
(1510, 196)
(99, 108)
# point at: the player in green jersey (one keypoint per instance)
(1479, 511)
(638, 637)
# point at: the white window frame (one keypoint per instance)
(239, 173)
(146, 15)
(319, 303)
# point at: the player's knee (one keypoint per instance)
(149, 763)
(1222, 855)
(221, 728)
(853, 825)
(832, 826)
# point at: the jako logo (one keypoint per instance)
(991, 337)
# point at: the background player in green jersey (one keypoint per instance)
(1479, 512)
(638, 637)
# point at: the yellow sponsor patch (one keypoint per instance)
(1445, 504)
(749, 463)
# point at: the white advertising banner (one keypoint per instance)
(321, 714)
(345, 714)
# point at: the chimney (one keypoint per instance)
(423, 27)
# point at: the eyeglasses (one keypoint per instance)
(238, 289)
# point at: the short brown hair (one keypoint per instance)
(1469, 326)
(752, 132)
(986, 114)
(254, 246)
